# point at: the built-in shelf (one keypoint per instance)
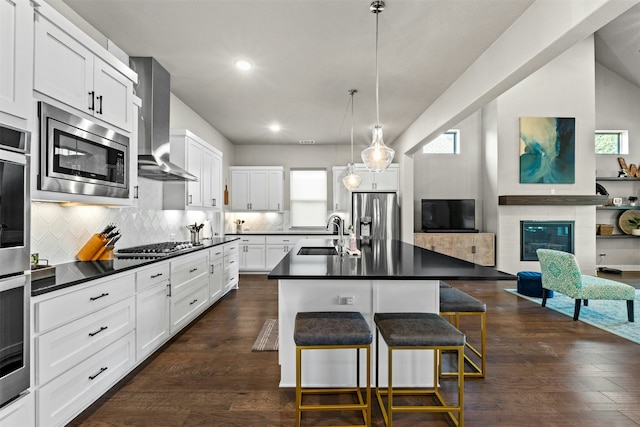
(564, 200)
(615, 178)
(616, 236)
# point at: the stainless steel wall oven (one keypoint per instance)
(15, 289)
(78, 156)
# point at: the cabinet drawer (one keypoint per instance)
(68, 345)
(252, 240)
(70, 393)
(216, 253)
(186, 306)
(283, 240)
(188, 268)
(152, 275)
(59, 310)
(231, 249)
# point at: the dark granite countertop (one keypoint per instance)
(380, 259)
(284, 233)
(77, 272)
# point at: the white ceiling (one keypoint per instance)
(308, 53)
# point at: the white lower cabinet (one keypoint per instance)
(231, 266)
(153, 321)
(278, 247)
(64, 397)
(216, 273)
(64, 347)
(189, 288)
(252, 253)
(19, 413)
(88, 337)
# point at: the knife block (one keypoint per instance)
(93, 247)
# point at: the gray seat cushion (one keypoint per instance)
(417, 329)
(331, 328)
(454, 300)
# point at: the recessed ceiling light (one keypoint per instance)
(243, 65)
(275, 127)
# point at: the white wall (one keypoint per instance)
(451, 176)
(563, 88)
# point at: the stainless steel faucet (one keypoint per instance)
(339, 223)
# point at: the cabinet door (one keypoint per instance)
(276, 180)
(194, 166)
(113, 92)
(275, 253)
(462, 246)
(215, 198)
(216, 279)
(484, 249)
(367, 181)
(16, 32)
(19, 413)
(240, 190)
(207, 179)
(152, 319)
(63, 68)
(340, 193)
(252, 257)
(259, 191)
(387, 180)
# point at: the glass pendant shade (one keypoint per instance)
(352, 180)
(377, 157)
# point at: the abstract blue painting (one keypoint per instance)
(547, 150)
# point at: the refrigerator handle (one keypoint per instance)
(375, 222)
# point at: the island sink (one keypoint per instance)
(318, 250)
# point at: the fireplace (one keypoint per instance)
(536, 235)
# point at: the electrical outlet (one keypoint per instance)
(347, 300)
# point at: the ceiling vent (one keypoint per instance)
(307, 141)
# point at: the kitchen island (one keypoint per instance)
(388, 276)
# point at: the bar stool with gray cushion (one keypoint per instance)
(419, 331)
(454, 304)
(331, 330)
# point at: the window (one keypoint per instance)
(447, 143)
(612, 142)
(308, 193)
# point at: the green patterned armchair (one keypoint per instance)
(560, 273)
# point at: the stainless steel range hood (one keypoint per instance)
(153, 122)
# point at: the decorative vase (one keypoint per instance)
(238, 228)
(635, 231)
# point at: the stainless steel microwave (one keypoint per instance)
(78, 156)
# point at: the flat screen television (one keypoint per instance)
(453, 215)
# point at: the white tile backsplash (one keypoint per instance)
(58, 232)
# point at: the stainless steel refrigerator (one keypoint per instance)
(376, 215)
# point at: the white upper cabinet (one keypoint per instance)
(380, 181)
(16, 65)
(201, 160)
(258, 188)
(69, 72)
(370, 181)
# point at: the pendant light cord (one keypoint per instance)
(377, 12)
(352, 92)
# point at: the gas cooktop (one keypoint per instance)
(153, 250)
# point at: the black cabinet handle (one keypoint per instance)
(92, 106)
(102, 328)
(153, 276)
(193, 302)
(104, 294)
(100, 99)
(192, 270)
(135, 192)
(93, 377)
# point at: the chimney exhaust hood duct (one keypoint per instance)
(154, 87)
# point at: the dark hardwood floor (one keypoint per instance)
(543, 369)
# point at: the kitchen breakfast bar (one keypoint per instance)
(387, 276)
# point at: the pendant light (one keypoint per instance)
(377, 157)
(352, 180)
